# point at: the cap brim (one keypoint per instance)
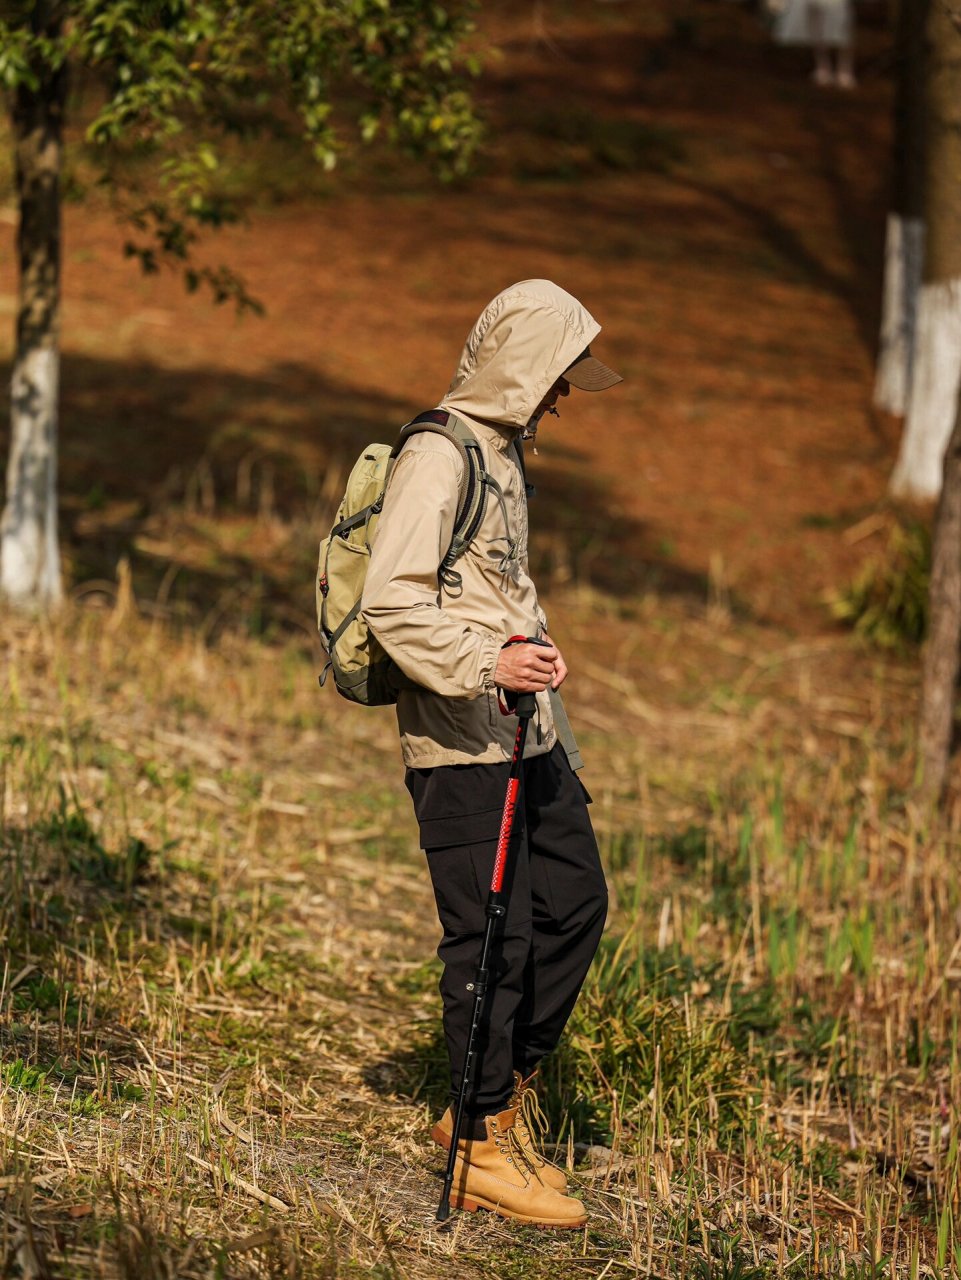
(590, 375)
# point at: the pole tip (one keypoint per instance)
(443, 1210)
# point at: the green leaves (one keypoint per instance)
(16, 46)
(175, 75)
(394, 67)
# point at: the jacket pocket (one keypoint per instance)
(493, 709)
(458, 804)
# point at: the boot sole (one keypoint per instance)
(443, 1140)
(470, 1204)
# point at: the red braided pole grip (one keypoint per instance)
(504, 839)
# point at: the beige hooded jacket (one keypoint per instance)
(448, 639)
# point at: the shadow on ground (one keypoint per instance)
(216, 487)
(418, 1073)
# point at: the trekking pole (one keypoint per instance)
(523, 705)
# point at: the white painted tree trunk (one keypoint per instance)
(934, 393)
(29, 552)
(29, 555)
(903, 263)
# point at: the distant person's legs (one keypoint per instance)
(823, 73)
(845, 78)
(829, 23)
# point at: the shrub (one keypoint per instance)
(887, 602)
(635, 1055)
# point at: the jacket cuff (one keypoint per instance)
(490, 651)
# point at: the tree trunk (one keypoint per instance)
(941, 651)
(29, 553)
(937, 364)
(903, 262)
(904, 247)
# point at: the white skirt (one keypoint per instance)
(813, 22)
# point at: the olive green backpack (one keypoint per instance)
(362, 670)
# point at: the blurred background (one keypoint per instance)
(219, 1041)
(672, 165)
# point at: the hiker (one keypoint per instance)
(447, 631)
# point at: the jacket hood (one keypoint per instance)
(525, 339)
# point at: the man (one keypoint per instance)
(447, 632)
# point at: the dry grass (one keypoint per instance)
(218, 1041)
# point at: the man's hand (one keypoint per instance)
(560, 666)
(530, 668)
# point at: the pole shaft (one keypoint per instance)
(495, 911)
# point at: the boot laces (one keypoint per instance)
(532, 1124)
(512, 1146)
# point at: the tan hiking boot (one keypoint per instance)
(495, 1175)
(531, 1121)
(529, 1117)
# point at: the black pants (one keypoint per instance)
(556, 907)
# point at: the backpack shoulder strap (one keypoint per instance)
(473, 486)
(439, 422)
